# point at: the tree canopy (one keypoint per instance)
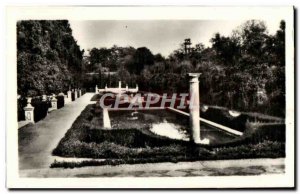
(49, 60)
(242, 71)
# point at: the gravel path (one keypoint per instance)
(181, 169)
(36, 141)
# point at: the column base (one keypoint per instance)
(202, 141)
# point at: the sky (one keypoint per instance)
(160, 36)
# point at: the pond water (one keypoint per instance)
(171, 130)
(165, 123)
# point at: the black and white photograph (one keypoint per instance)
(151, 97)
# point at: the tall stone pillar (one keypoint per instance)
(96, 89)
(29, 114)
(120, 85)
(194, 108)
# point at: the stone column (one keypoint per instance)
(120, 85)
(96, 89)
(106, 120)
(53, 102)
(80, 93)
(194, 108)
(105, 89)
(29, 114)
(126, 87)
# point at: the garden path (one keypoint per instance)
(181, 169)
(36, 141)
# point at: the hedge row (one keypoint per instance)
(221, 115)
(40, 107)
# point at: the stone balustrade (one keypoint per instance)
(118, 90)
(29, 109)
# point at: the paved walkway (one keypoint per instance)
(36, 141)
(181, 169)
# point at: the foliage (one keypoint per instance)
(236, 69)
(60, 101)
(266, 149)
(48, 58)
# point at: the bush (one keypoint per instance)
(266, 149)
(220, 115)
(260, 132)
(60, 101)
(73, 96)
(22, 102)
(40, 108)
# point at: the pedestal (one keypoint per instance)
(29, 111)
(53, 103)
(69, 97)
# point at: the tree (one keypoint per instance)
(142, 57)
(48, 57)
(227, 49)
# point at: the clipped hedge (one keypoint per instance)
(221, 115)
(40, 108)
(22, 102)
(60, 101)
(73, 96)
(269, 131)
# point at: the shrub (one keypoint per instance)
(73, 96)
(22, 102)
(220, 115)
(60, 101)
(40, 108)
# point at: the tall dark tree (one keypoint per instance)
(142, 57)
(48, 57)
